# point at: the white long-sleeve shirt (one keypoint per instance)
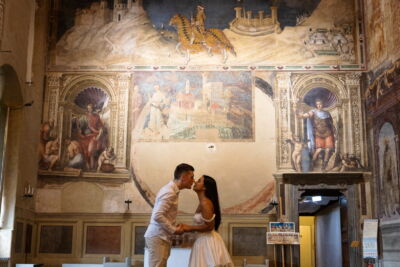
(163, 217)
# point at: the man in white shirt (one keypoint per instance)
(163, 218)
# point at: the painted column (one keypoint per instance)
(238, 12)
(261, 16)
(123, 85)
(274, 14)
(248, 17)
(283, 119)
(358, 131)
(52, 92)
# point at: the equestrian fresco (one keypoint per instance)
(132, 33)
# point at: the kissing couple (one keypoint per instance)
(209, 248)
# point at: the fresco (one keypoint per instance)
(85, 146)
(89, 133)
(319, 132)
(376, 34)
(382, 24)
(389, 183)
(193, 106)
(395, 23)
(212, 33)
(316, 146)
(49, 145)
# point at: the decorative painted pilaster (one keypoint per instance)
(123, 85)
(282, 103)
(52, 92)
(358, 136)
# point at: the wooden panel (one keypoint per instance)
(19, 233)
(56, 239)
(28, 238)
(282, 198)
(249, 241)
(139, 240)
(103, 240)
(363, 200)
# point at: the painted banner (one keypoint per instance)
(370, 239)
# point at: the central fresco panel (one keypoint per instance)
(193, 106)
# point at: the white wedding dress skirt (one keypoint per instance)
(209, 251)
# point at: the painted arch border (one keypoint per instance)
(73, 84)
(307, 82)
(77, 84)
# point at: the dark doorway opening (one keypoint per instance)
(324, 222)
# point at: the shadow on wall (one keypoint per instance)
(10, 90)
(11, 121)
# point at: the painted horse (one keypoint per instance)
(194, 40)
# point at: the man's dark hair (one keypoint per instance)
(182, 168)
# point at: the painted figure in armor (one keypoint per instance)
(320, 132)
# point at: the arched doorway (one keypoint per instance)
(292, 187)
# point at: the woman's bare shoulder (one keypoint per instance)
(207, 208)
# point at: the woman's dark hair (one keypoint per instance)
(212, 194)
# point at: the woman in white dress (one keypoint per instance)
(209, 249)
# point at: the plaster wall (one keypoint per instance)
(154, 162)
(381, 98)
(20, 161)
(382, 29)
(231, 163)
(243, 169)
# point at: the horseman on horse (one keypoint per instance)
(194, 37)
